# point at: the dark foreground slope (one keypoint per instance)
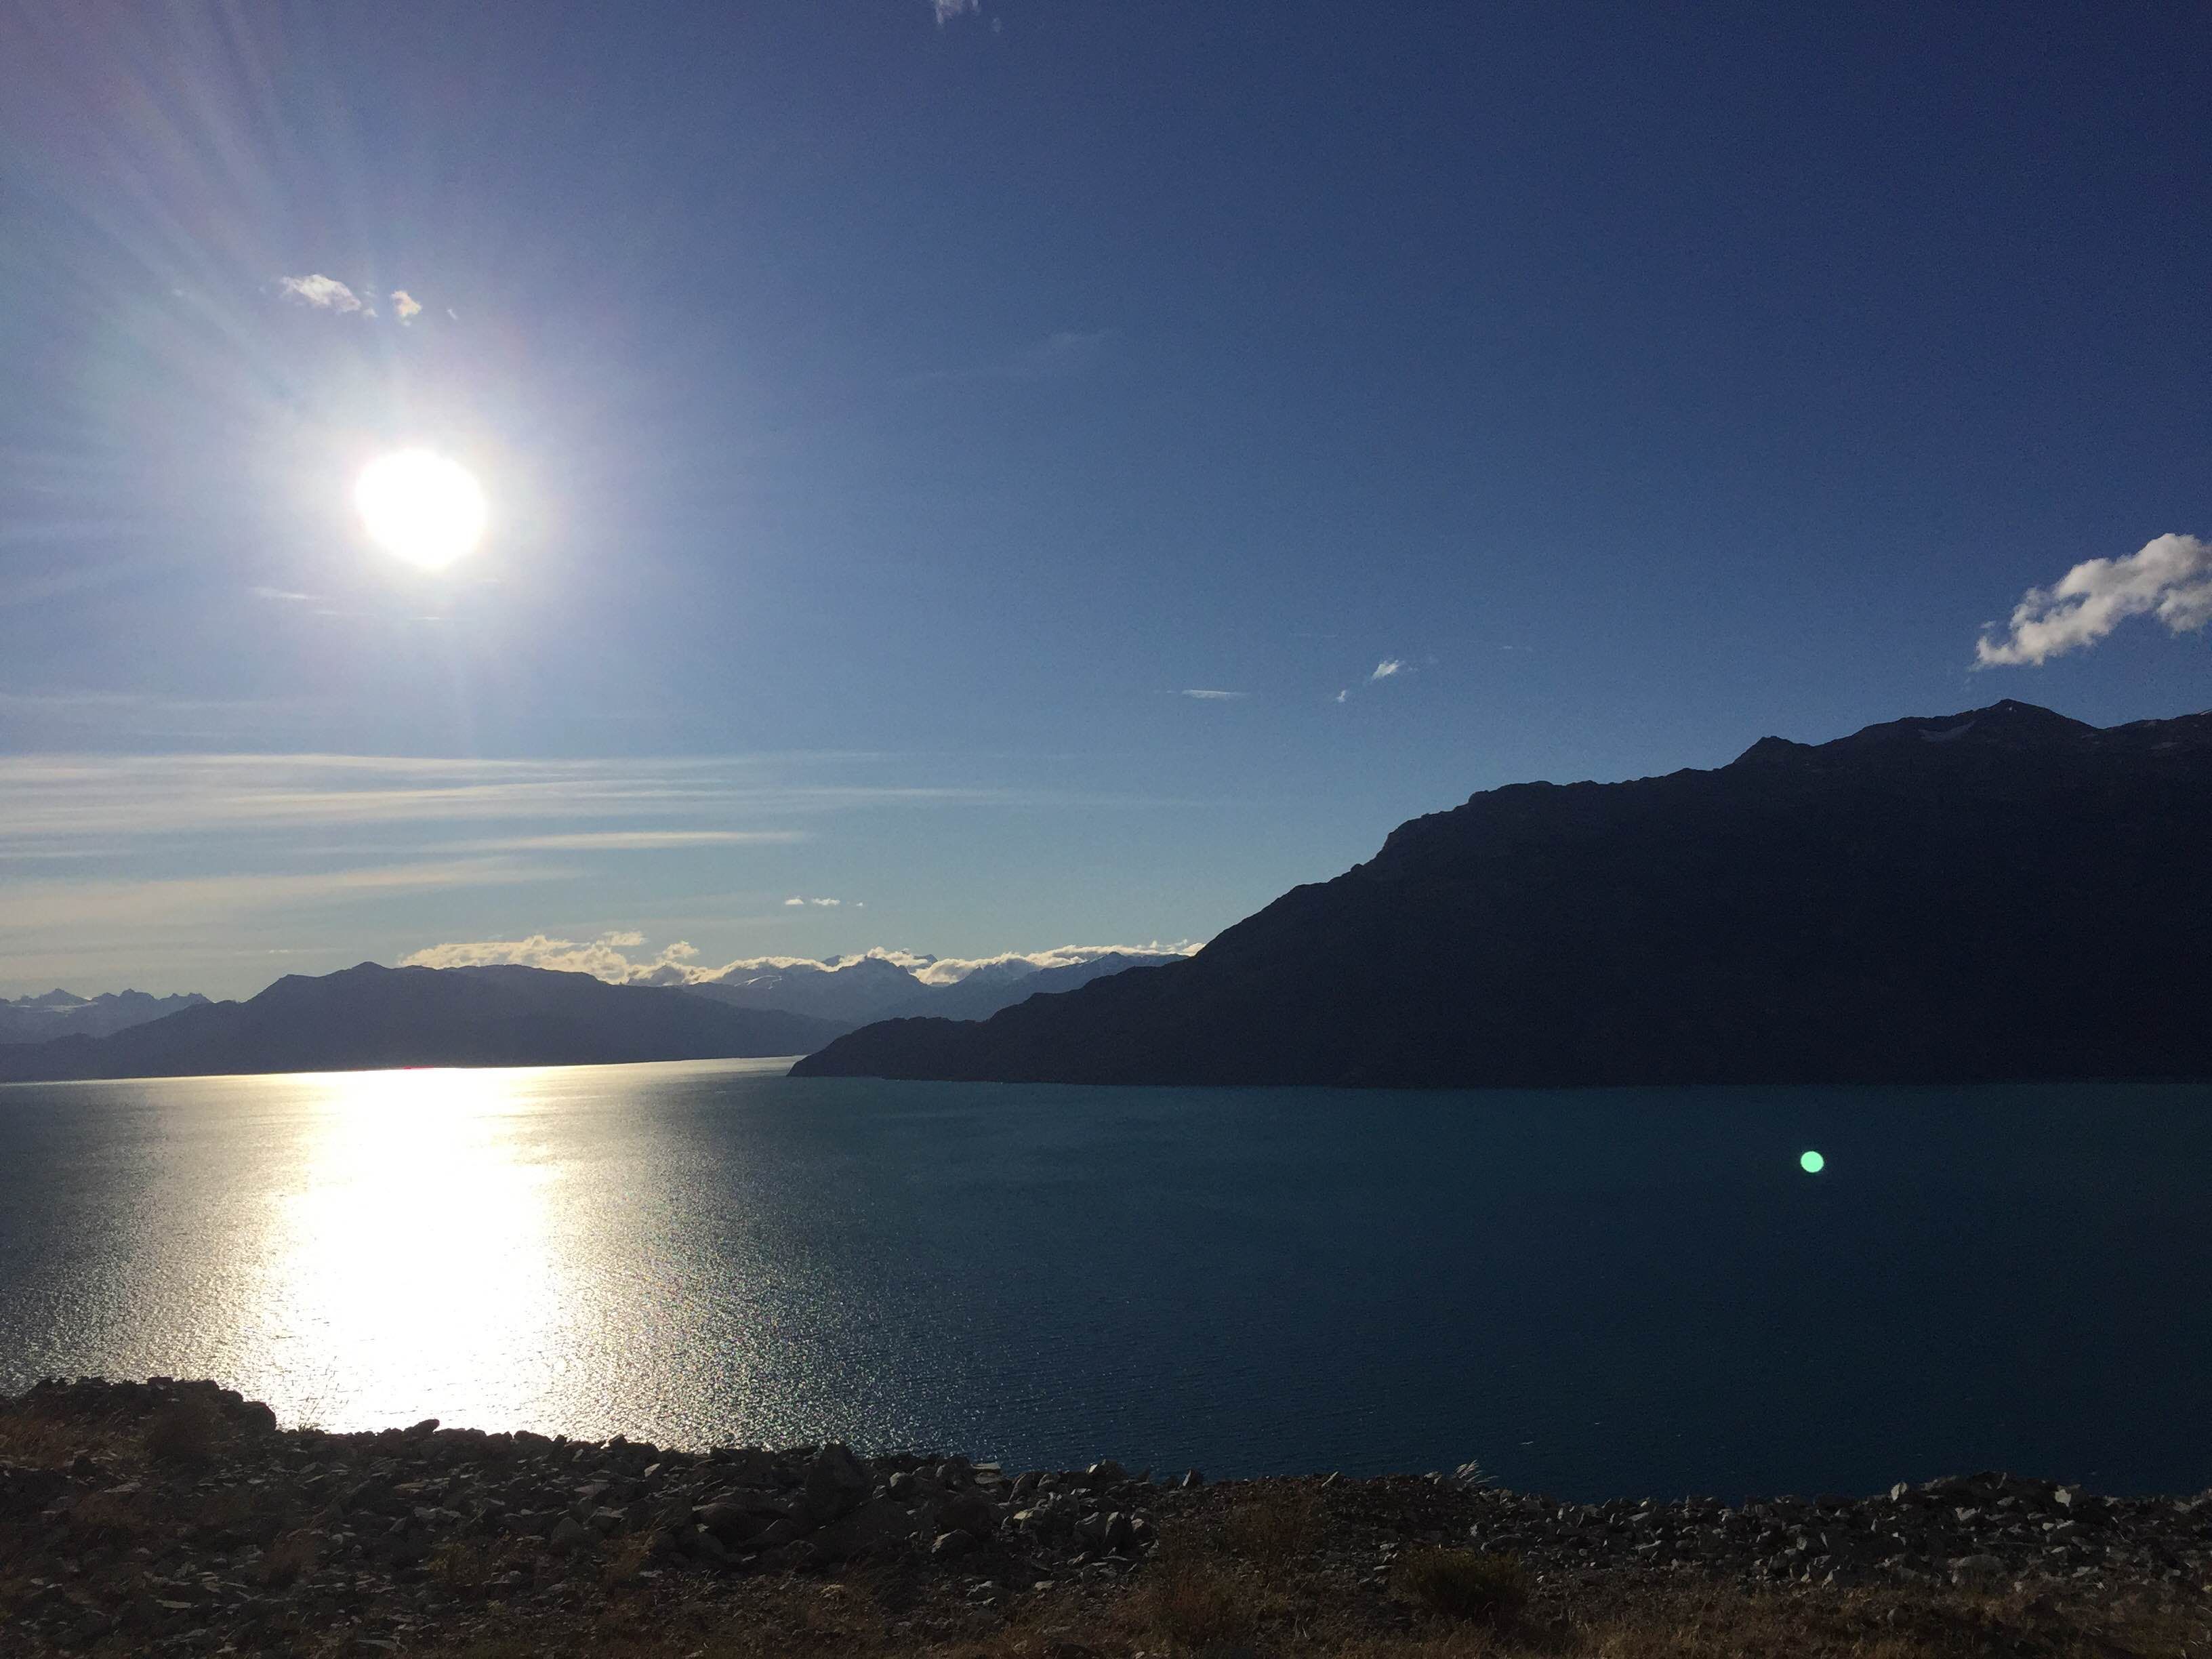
(2003, 894)
(370, 1016)
(177, 1517)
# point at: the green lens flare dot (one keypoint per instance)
(1811, 1163)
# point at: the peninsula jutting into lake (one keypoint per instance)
(2003, 894)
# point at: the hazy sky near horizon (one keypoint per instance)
(1035, 471)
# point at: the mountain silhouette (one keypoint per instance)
(370, 1016)
(2003, 894)
(58, 1013)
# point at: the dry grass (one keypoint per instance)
(38, 1442)
(1465, 1584)
(118, 1519)
(292, 1557)
(627, 1556)
(1200, 1606)
(469, 1564)
(1193, 1604)
(1276, 1526)
(186, 1430)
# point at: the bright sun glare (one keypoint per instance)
(421, 506)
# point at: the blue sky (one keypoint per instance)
(888, 417)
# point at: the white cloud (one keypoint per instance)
(1386, 668)
(1214, 696)
(601, 958)
(323, 293)
(826, 903)
(793, 901)
(947, 970)
(405, 305)
(2169, 578)
(1342, 694)
(606, 957)
(947, 10)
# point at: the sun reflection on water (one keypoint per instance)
(413, 1258)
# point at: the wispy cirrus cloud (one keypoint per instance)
(638, 840)
(947, 10)
(322, 293)
(78, 908)
(1388, 667)
(2169, 577)
(75, 796)
(1205, 694)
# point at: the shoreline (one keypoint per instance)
(138, 1517)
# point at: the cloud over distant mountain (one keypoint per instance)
(607, 957)
(2169, 578)
(601, 958)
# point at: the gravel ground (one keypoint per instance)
(176, 1517)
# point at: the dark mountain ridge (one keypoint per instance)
(368, 1017)
(2003, 894)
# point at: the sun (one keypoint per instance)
(421, 506)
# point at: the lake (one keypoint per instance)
(1604, 1292)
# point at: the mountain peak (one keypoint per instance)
(2010, 724)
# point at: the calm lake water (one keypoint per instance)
(1594, 1294)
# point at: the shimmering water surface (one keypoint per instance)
(1620, 1291)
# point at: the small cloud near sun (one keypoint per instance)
(323, 293)
(405, 306)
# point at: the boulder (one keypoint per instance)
(967, 1511)
(730, 1523)
(836, 1482)
(876, 1525)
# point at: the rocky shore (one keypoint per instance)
(170, 1517)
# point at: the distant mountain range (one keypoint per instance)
(864, 989)
(2003, 894)
(371, 1016)
(58, 1013)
